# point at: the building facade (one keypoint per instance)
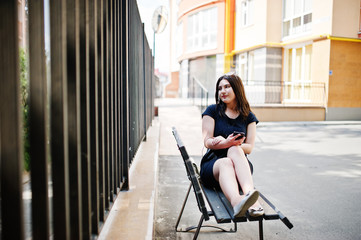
(22, 21)
(299, 60)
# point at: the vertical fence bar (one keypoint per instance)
(106, 104)
(11, 148)
(93, 114)
(132, 78)
(144, 86)
(101, 154)
(111, 103)
(115, 69)
(85, 159)
(115, 37)
(118, 41)
(153, 93)
(73, 84)
(38, 121)
(122, 73)
(125, 93)
(59, 121)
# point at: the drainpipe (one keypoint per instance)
(229, 34)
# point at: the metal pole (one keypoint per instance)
(154, 45)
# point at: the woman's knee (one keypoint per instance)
(225, 163)
(236, 150)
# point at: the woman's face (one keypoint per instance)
(225, 92)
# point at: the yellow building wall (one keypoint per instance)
(274, 21)
(345, 81)
(321, 65)
(255, 33)
(346, 16)
(322, 17)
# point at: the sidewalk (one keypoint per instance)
(132, 214)
(311, 171)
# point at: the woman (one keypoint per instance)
(225, 164)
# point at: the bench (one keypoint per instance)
(220, 207)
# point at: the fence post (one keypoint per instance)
(93, 113)
(38, 121)
(85, 138)
(10, 122)
(144, 84)
(59, 121)
(125, 94)
(73, 114)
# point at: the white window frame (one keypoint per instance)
(242, 66)
(246, 67)
(294, 82)
(202, 30)
(246, 12)
(292, 14)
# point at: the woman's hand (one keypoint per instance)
(217, 140)
(232, 140)
(220, 142)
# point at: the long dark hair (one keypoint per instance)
(238, 89)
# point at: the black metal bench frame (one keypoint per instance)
(221, 209)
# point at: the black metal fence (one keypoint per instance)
(199, 94)
(99, 107)
(269, 93)
(283, 93)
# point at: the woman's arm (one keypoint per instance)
(207, 130)
(248, 144)
(218, 142)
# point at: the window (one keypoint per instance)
(246, 10)
(242, 66)
(298, 74)
(297, 17)
(246, 67)
(202, 30)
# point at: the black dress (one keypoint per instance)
(224, 126)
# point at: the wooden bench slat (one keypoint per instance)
(230, 208)
(220, 211)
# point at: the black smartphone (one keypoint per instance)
(241, 136)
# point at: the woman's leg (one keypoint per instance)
(223, 171)
(242, 169)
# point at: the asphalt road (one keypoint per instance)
(311, 171)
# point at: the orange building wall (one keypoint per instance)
(171, 90)
(188, 7)
(345, 81)
(277, 114)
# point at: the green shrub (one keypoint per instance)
(24, 93)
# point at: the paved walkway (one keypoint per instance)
(310, 170)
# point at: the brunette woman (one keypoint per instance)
(225, 165)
